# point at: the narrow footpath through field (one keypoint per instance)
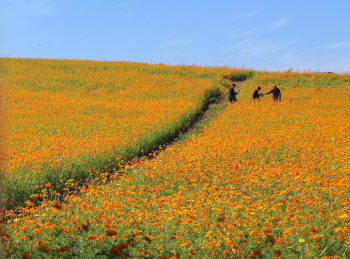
(250, 179)
(209, 114)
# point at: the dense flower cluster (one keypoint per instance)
(265, 178)
(65, 109)
(60, 113)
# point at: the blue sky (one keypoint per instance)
(273, 35)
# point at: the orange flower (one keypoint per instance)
(147, 239)
(44, 248)
(111, 232)
(62, 250)
(24, 255)
(87, 225)
(271, 239)
(115, 250)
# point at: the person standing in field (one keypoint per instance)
(256, 94)
(232, 94)
(276, 93)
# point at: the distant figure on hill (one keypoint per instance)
(232, 94)
(276, 93)
(256, 94)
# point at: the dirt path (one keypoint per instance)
(213, 110)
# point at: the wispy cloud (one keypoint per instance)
(178, 42)
(260, 29)
(43, 7)
(248, 14)
(337, 45)
(255, 48)
(281, 22)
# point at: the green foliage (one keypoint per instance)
(300, 79)
(17, 191)
(239, 75)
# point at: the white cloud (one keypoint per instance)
(281, 22)
(252, 13)
(178, 42)
(239, 45)
(337, 45)
(253, 48)
(266, 28)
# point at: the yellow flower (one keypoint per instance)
(344, 216)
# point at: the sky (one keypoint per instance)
(262, 35)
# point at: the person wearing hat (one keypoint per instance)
(232, 94)
(276, 93)
(256, 94)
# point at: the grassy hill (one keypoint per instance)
(263, 179)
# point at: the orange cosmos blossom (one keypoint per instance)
(278, 173)
(64, 112)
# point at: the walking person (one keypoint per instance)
(232, 94)
(276, 93)
(256, 94)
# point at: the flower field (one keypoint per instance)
(68, 119)
(265, 179)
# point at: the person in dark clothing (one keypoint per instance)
(232, 94)
(256, 94)
(276, 93)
